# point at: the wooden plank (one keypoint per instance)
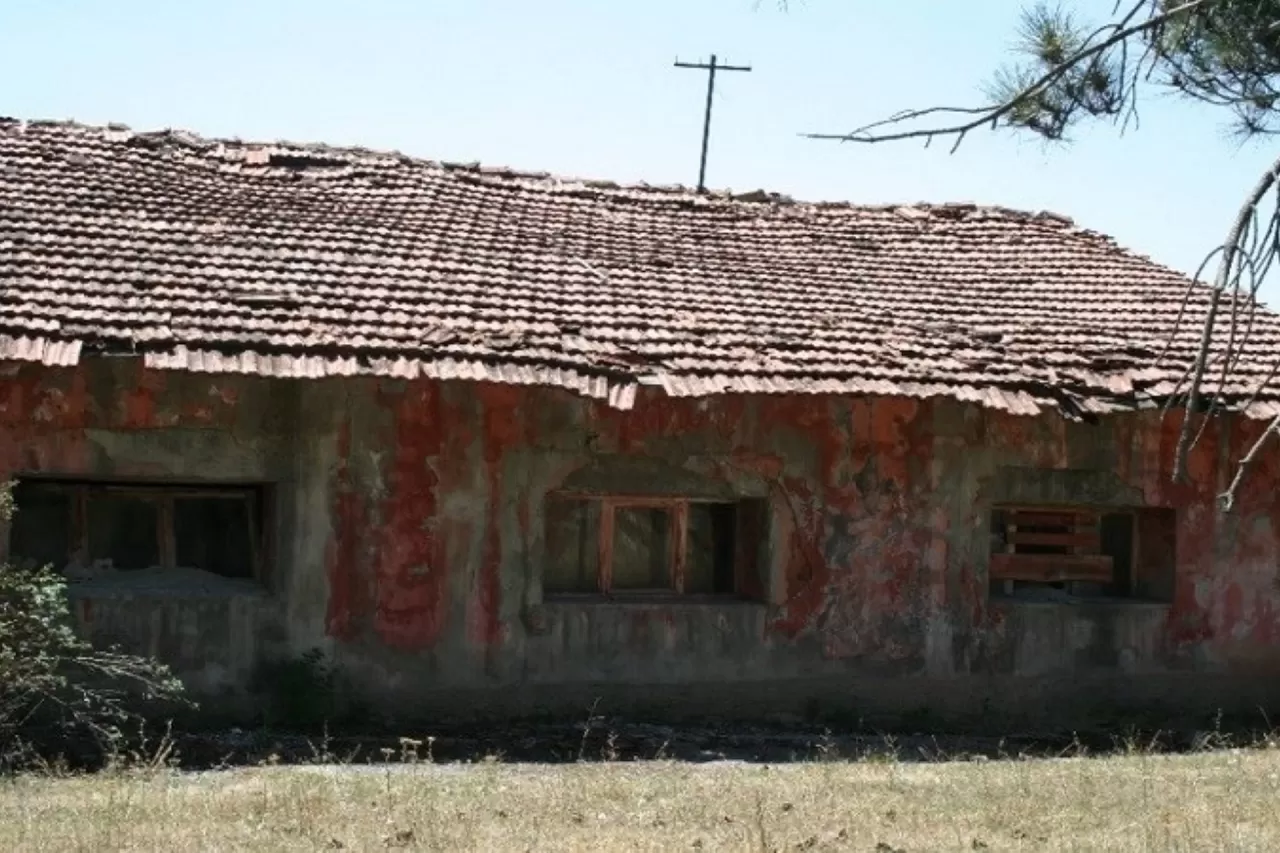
(679, 546)
(1051, 568)
(605, 544)
(1066, 540)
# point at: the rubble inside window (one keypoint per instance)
(92, 529)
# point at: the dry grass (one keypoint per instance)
(1227, 800)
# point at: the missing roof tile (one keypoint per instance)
(299, 161)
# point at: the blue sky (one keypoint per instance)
(586, 87)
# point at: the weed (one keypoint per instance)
(299, 693)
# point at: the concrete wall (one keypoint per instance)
(409, 531)
(110, 419)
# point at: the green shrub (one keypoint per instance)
(53, 680)
(299, 693)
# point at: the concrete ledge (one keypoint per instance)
(164, 583)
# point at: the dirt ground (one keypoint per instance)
(1223, 799)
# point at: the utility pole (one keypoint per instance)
(711, 67)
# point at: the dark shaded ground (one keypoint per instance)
(624, 740)
(616, 738)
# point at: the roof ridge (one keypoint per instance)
(554, 181)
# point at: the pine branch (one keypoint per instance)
(1121, 32)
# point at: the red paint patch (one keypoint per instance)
(138, 404)
(43, 414)
(657, 416)
(411, 572)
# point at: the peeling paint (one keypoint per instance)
(410, 567)
(428, 550)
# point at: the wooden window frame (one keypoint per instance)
(252, 497)
(677, 546)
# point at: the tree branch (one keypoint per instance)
(1228, 498)
(1122, 31)
(1231, 248)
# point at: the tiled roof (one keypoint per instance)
(307, 261)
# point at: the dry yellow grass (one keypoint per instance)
(1227, 800)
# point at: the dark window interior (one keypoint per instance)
(124, 529)
(1116, 529)
(215, 534)
(41, 528)
(713, 537)
(135, 526)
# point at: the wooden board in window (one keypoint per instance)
(1049, 546)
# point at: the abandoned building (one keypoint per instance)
(504, 442)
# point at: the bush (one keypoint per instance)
(53, 680)
(299, 693)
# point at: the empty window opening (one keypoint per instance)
(92, 527)
(123, 529)
(620, 546)
(42, 525)
(216, 533)
(1082, 552)
(714, 542)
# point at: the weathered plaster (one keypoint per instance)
(113, 419)
(409, 538)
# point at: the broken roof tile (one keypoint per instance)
(306, 260)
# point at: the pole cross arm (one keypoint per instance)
(706, 66)
(711, 68)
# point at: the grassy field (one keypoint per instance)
(1226, 800)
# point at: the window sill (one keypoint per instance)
(164, 583)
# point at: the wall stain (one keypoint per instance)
(411, 571)
(877, 513)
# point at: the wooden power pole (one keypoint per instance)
(711, 68)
